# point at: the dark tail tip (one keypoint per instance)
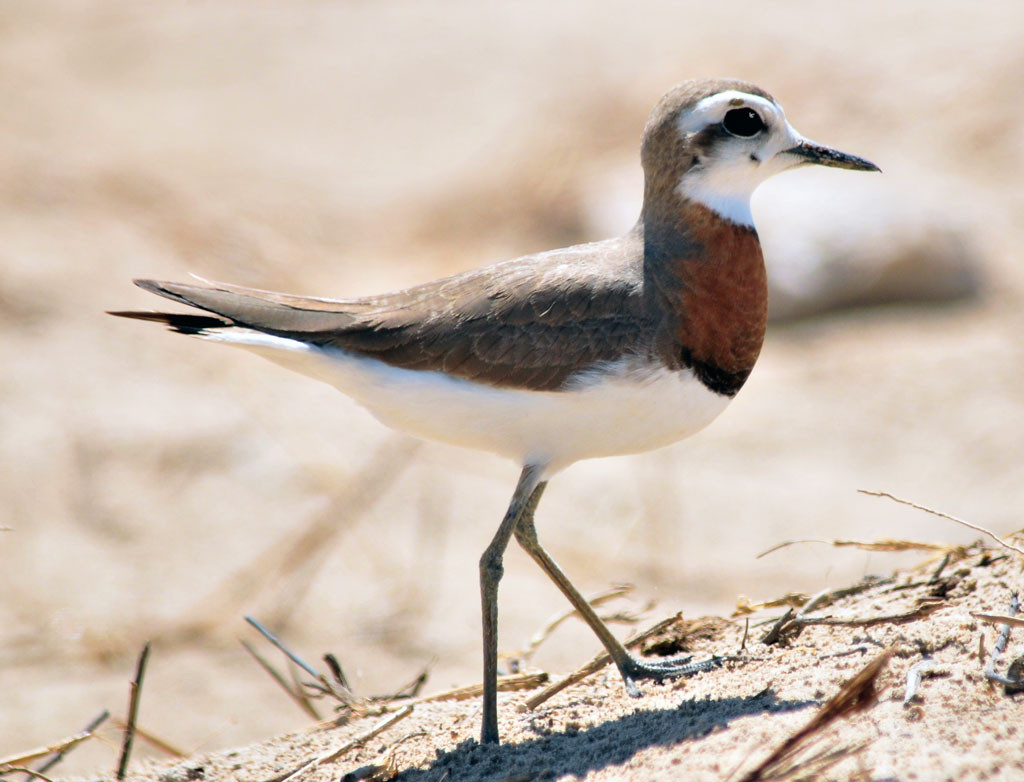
(183, 324)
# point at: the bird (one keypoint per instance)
(600, 349)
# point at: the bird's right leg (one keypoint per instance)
(524, 499)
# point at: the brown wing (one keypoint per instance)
(528, 323)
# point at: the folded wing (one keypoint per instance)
(534, 322)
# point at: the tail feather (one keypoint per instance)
(175, 321)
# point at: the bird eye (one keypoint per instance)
(743, 122)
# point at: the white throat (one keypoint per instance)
(733, 206)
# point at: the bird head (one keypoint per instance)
(715, 141)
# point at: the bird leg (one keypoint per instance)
(524, 501)
(630, 667)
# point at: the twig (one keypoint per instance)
(790, 599)
(94, 723)
(845, 653)
(379, 771)
(156, 741)
(133, 712)
(31, 772)
(300, 699)
(281, 561)
(914, 677)
(868, 582)
(773, 635)
(1000, 646)
(867, 545)
(385, 769)
(940, 514)
(336, 671)
(619, 590)
(334, 754)
(867, 621)
(857, 695)
(1000, 619)
(61, 746)
(942, 566)
(280, 645)
(513, 683)
(798, 600)
(410, 689)
(790, 621)
(824, 597)
(321, 685)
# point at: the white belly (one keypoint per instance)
(627, 407)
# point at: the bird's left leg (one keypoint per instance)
(630, 667)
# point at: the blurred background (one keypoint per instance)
(158, 488)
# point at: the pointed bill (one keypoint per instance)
(810, 152)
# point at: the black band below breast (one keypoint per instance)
(719, 380)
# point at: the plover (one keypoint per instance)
(614, 347)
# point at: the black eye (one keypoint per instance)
(743, 122)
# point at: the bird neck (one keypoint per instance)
(706, 275)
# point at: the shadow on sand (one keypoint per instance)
(577, 752)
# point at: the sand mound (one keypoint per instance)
(722, 723)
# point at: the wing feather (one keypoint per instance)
(532, 322)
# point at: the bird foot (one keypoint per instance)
(660, 670)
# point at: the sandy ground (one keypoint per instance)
(346, 148)
(724, 723)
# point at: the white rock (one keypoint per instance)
(831, 239)
(836, 241)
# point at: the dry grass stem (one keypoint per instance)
(282, 648)
(381, 771)
(784, 621)
(857, 695)
(943, 563)
(859, 649)
(817, 600)
(514, 683)
(412, 688)
(30, 771)
(618, 590)
(133, 712)
(336, 685)
(334, 666)
(803, 602)
(321, 685)
(790, 623)
(351, 744)
(744, 606)
(867, 621)
(869, 545)
(154, 741)
(61, 746)
(914, 678)
(1000, 619)
(298, 554)
(1000, 646)
(298, 697)
(940, 514)
(93, 725)
(814, 765)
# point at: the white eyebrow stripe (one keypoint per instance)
(712, 108)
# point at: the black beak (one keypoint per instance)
(809, 152)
